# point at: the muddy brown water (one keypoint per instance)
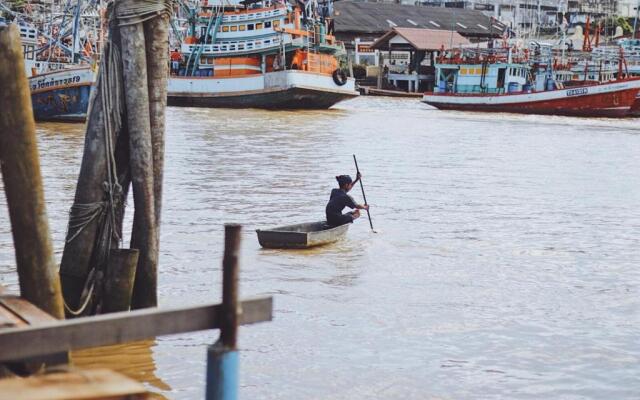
(506, 266)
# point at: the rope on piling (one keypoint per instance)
(130, 12)
(110, 90)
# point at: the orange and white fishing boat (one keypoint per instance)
(260, 54)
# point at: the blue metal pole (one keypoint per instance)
(222, 373)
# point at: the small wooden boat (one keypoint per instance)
(301, 236)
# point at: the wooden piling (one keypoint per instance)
(144, 233)
(222, 357)
(229, 330)
(156, 33)
(78, 255)
(121, 272)
(37, 270)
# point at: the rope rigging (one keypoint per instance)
(109, 211)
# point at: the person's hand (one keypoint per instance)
(358, 175)
(366, 207)
(356, 214)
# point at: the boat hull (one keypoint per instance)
(612, 100)
(62, 95)
(301, 236)
(277, 90)
(285, 99)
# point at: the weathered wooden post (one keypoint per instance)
(156, 32)
(37, 270)
(222, 357)
(103, 149)
(144, 29)
(121, 272)
(143, 236)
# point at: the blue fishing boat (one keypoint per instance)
(60, 86)
(62, 95)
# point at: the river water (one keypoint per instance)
(506, 266)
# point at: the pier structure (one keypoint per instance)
(120, 150)
(421, 44)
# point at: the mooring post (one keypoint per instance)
(143, 236)
(222, 357)
(121, 272)
(156, 32)
(37, 270)
(79, 255)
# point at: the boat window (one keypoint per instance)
(267, 24)
(249, 27)
(234, 28)
(242, 27)
(276, 23)
(259, 25)
(225, 29)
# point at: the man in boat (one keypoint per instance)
(340, 199)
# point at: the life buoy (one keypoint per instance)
(339, 77)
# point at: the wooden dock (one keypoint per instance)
(372, 91)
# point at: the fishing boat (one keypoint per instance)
(260, 54)
(301, 236)
(505, 80)
(59, 67)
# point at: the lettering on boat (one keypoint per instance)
(577, 92)
(51, 82)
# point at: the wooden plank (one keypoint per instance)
(9, 319)
(25, 310)
(74, 385)
(120, 328)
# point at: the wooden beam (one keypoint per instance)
(121, 327)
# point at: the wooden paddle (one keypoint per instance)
(363, 195)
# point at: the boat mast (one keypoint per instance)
(76, 28)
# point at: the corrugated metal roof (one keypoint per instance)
(370, 18)
(423, 39)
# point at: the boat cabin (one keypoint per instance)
(497, 78)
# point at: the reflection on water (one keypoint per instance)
(506, 266)
(132, 359)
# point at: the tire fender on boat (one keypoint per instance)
(339, 77)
